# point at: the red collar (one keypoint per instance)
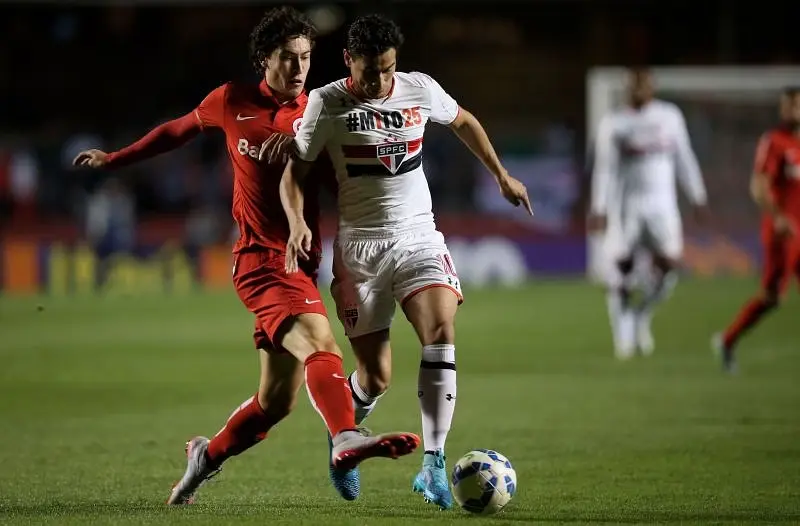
(267, 92)
(351, 89)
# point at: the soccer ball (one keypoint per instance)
(483, 481)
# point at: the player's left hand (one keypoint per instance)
(515, 192)
(298, 245)
(93, 158)
(276, 148)
(784, 226)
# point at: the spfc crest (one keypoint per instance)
(391, 155)
(351, 317)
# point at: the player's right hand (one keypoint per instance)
(276, 148)
(298, 245)
(597, 223)
(91, 158)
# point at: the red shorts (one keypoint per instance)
(272, 295)
(781, 260)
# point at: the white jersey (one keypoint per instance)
(638, 154)
(376, 148)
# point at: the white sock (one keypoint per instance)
(614, 304)
(661, 290)
(618, 306)
(437, 393)
(621, 317)
(363, 402)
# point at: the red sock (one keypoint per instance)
(329, 391)
(246, 427)
(750, 314)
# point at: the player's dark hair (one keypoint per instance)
(791, 91)
(639, 71)
(277, 27)
(373, 35)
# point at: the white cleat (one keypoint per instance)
(350, 448)
(644, 336)
(197, 472)
(625, 336)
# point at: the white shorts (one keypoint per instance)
(371, 273)
(658, 230)
(638, 234)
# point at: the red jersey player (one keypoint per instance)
(776, 189)
(292, 330)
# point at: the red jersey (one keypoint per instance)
(778, 157)
(248, 114)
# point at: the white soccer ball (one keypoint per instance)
(484, 481)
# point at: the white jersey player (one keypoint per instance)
(388, 250)
(639, 151)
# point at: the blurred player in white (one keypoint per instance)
(388, 248)
(639, 150)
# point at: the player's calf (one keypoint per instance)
(374, 371)
(621, 314)
(367, 384)
(432, 313)
(247, 425)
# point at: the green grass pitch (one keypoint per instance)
(98, 396)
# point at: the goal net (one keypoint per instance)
(726, 110)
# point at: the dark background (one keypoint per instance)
(77, 75)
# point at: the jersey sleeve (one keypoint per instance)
(444, 108)
(688, 169)
(210, 113)
(606, 164)
(767, 160)
(315, 129)
(160, 139)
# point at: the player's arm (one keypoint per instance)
(604, 171)
(445, 110)
(765, 170)
(688, 169)
(308, 144)
(162, 138)
(760, 192)
(470, 131)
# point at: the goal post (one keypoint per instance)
(726, 110)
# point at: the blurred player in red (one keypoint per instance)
(775, 187)
(292, 329)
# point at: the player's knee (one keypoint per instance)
(438, 332)
(325, 343)
(309, 334)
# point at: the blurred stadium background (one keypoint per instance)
(117, 316)
(78, 75)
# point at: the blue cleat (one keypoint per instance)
(432, 481)
(346, 481)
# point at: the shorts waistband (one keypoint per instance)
(384, 232)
